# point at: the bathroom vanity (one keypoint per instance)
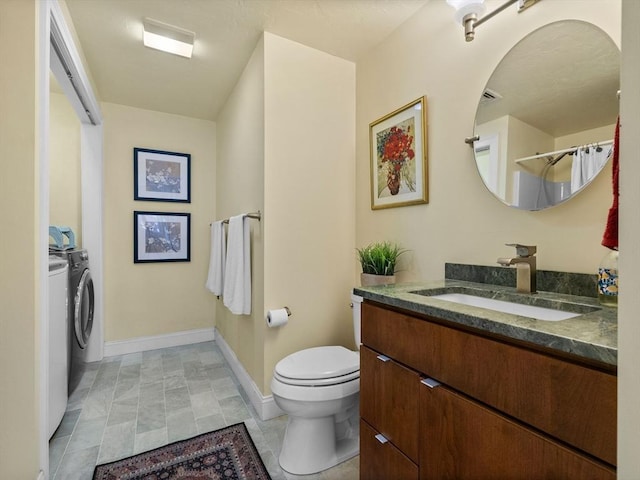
(454, 391)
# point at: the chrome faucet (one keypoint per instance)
(525, 263)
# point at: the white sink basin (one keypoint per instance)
(539, 313)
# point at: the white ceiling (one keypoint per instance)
(227, 31)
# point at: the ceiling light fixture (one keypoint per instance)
(469, 11)
(167, 38)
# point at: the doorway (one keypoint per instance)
(59, 59)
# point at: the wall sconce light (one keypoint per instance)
(167, 38)
(468, 13)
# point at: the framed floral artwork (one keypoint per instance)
(161, 176)
(161, 237)
(398, 144)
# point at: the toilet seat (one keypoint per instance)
(317, 382)
(319, 366)
(311, 393)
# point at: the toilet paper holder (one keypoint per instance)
(278, 318)
(288, 311)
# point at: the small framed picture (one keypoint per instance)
(161, 176)
(398, 144)
(161, 237)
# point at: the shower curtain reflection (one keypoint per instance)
(587, 162)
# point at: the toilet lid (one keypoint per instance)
(318, 363)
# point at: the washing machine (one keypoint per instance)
(58, 340)
(81, 309)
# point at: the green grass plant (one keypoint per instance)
(379, 258)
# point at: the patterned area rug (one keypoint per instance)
(228, 453)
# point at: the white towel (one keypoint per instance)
(215, 278)
(237, 273)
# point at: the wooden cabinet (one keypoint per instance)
(465, 440)
(392, 400)
(503, 410)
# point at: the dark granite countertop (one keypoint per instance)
(592, 334)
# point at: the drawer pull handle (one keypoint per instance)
(381, 438)
(384, 358)
(431, 383)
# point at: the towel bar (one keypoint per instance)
(257, 215)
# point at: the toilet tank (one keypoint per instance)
(356, 303)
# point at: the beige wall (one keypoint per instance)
(297, 105)
(20, 244)
(240, 189)
(600, 134)
(463, 222)
(65, 196)
(629, 303)
(309, 201)
(155, 298)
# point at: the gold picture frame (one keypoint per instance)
(398, 156)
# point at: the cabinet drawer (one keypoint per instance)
(465, 440)
(389, 400)
(382, 461)
(571, 402)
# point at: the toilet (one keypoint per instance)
(319, 389)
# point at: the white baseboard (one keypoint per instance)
(141, 344)
(264, 405)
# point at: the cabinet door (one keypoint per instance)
(380, 460)
(389, 400)
(462, 439)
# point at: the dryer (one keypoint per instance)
(81, 310)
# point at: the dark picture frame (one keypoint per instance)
(161, 176)
(161, 237)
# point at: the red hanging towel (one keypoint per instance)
(610, 237)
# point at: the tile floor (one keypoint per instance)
(132, 403)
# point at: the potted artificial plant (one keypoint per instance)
(378, 261)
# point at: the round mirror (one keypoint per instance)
(545, 122)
